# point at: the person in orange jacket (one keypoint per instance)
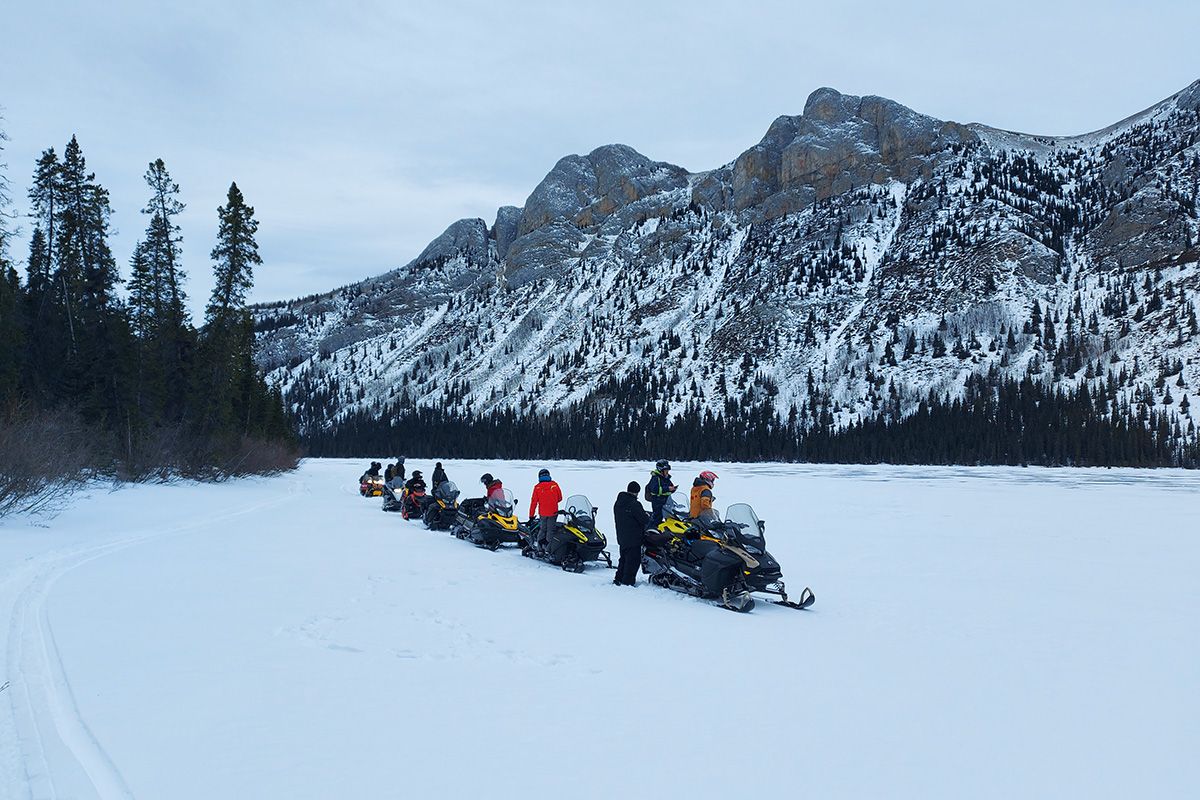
(545, 499)
(702, 496)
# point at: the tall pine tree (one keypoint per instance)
(99, 356)
(157, 298)
(227, 341)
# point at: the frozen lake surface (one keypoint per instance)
(978, 632)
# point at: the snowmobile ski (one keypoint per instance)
(807, 598)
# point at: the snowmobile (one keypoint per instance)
(441, 513)
(412, 506)
(574, 541)
(686, 557)
(371, 486)
(743, 528)
(489, 523)
(393, 498)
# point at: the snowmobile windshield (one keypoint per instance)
(677, 505)
(579, 506)
(749, 528)
(502, 505)
(447, 491)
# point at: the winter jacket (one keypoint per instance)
(630, 519)
(545, 499)
(399, 473)
(439, 476)
(495, 491)
(389, 473)
(659, 487)
(372, 472)
(702, 498)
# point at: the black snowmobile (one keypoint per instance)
(488, 523)
(393, 497)
(441, 514)
(743, 528)
(574, 541)
(414, 503)
(683, 557)
(719, 560)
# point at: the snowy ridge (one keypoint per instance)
(857, 259)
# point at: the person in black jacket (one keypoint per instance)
(630, 519)
(416, 483)
(439, 475)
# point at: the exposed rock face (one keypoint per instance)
(840, 142)
(508, 219)
(587, 189)
(468, 237)
(856, 259)
(1148, 228)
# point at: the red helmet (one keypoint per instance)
(708, 475)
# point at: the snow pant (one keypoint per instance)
(656, 510)
(546, 527)
(627, 565)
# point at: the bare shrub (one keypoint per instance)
(43, 456)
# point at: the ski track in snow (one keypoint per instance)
(63, 758)
(292, 641)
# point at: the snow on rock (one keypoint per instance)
(847, 232)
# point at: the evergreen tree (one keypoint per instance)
(231, 385)
(99, 356)
(156, 292)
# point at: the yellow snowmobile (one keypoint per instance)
(489, 523)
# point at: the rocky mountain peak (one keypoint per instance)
(840, 142)
(585, 190)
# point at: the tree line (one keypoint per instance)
(998, 420)
(149, 391)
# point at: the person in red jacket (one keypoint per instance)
(545, 499)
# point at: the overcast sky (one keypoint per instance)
(359, 130)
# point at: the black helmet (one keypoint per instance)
(543, 473)
(416, 473)
(438, 465)
(663, 466)
(486, 478)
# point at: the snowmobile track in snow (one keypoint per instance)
(62, 757)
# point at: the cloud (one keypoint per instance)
(360, 130)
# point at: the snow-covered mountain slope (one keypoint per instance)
(858, 258)
(982, 633)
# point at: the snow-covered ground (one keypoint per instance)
(978, 633)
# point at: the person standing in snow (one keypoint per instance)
(659, 489)
(439, 476)
(545, 499)
(630, 519)
(702, 497)
(398, 470)
(388, 474)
